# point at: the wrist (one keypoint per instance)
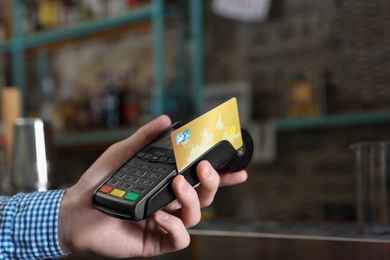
(64, 222)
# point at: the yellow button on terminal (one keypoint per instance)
(117, 193)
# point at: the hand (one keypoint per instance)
(82, 228)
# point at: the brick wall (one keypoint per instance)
(346, 43)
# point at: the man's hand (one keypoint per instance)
(82, 228)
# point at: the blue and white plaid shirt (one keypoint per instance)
(29, 225)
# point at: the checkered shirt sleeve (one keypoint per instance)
(29, 225)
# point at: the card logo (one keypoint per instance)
(183, 136)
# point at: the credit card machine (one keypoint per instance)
(143, 184)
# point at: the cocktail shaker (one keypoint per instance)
(29, 168)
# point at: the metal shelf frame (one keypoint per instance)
(111, 136)
(156, 12)
(333, 121)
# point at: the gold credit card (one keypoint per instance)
(198, 136)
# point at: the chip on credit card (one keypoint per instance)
(201, 134)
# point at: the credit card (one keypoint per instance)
(198, 136)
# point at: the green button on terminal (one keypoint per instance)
(131, 196)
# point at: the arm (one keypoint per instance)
(44, 225)
(29, 224)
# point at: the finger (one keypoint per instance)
(187, 197)
(143, 135)
(209, 182)
(177, 236)
(233, 178)
(119, 152)
(129, 146)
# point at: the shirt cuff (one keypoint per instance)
(35, 225)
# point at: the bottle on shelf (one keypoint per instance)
(129, 97)
(4, 22)
(42, 15)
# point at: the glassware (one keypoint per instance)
(373, 176)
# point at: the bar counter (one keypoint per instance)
(273, 240)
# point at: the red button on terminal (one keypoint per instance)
(105, 189)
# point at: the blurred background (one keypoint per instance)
(311, 77)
